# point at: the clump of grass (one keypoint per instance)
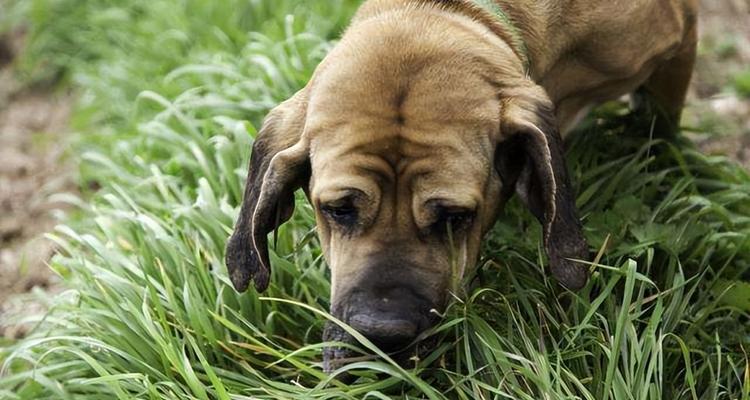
(113, 51)
(742, 83)
(10, 16)
(150, 312)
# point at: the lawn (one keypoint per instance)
(169, 98)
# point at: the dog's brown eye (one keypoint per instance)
(454, 218)
(341, 212)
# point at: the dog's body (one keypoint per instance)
(585, 52)
(425, 118)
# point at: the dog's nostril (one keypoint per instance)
(389, 334)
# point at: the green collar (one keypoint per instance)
(519, 45)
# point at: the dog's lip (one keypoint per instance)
(384, 327)
(335, 357)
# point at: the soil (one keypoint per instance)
(34, 123)
(713, 106)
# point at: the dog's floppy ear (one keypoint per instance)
(529, 159)
(279, 165)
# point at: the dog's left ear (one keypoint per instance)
(279, 165)
(529, 159)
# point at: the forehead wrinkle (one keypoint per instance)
(398, 156)
(458, 142)
(377, 168)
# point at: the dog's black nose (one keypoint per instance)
(391, 315)
(388, 332)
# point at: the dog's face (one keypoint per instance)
(407, 151)
(403, 184)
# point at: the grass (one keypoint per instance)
(742, 83)
(170, 98)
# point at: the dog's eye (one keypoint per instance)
(454, 218)
(342, 212)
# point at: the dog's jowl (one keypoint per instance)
(424, 120)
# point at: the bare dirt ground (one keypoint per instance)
(713, 105)
(34, 123)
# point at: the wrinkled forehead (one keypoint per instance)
(434, 164)
(429, 94)
(425, 117)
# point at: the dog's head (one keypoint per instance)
(407, 150)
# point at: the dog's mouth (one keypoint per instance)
(334, 357)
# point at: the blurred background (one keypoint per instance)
(52, 54)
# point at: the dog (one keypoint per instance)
(425, 119)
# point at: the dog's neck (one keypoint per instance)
(500, 22)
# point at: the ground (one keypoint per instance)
(713, 105)
(34, 167)
(33, 123)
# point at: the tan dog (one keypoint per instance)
(422, 122)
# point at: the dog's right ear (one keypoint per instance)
(279, 165)
(530, 161)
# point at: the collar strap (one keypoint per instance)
(518, 44)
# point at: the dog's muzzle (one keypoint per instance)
(390, 316)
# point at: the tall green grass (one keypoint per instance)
(150, 313)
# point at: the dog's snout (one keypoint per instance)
(391, 316)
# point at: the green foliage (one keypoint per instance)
(114, 49)
(742, 83)
(11, 12)
(150, 312)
